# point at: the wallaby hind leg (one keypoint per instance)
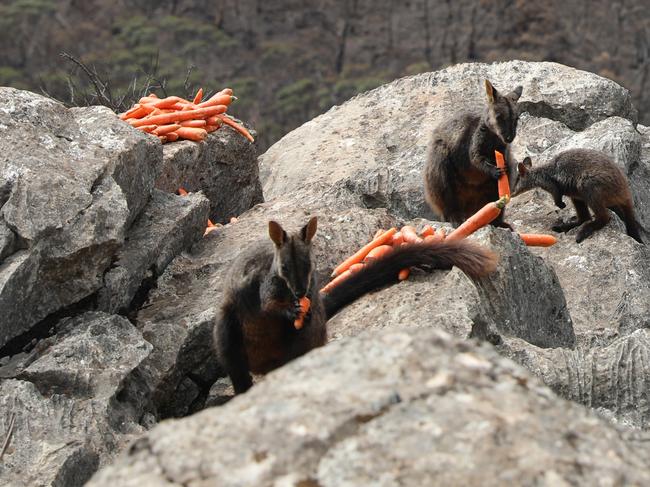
(626, 213)
(582, 215)
(601, 218)
(229, 343)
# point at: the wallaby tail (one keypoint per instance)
(472, 259)
(632, 226)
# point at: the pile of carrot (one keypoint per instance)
(175, 118)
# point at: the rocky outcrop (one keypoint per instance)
(408, 407)
(76, 401)
(220, 169)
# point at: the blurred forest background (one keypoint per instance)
(290, 60)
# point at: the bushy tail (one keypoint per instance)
(632, 226)
(472, 259)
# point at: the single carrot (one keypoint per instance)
(538, 239)
(148, 99)
(198, 97)
(336, 281)
(191, 133)
(379, 252)
(410, 235)
(305, 303)
(427, 231)
(214, 120)
(148, 128)
(182, 192)
(193, 123)
(356, 267)
(360, 254)
(179, 116)
(168, 102)
(217, 100)
(165, 129)
(130, 111)
(504, 184)
(438, 236)
(398, 239)
(211, 128)
(240, 128)
(479, 219)
(404, 274)
(142, 111)
(172, 137)
(225, 91)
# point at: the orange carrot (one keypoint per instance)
(379, 252)
(504, 184)
(479, 219)
(336, 281)
(211, 128)
(198, 97)
(179, 116)
(305, 303)
(142, 111)
(410, 236)
(438, 236)
(538, 239)
(217, 99)
(148, 128)
(148, 99)
(215, 120)
(182, 192)
(360, 254)
(225, 91)
(240, 128)
(165, 129)
(427, 230)
(193, 123)
(191, 133)
(404, 274)
(398, 239)
(356, 267)
(168, 102)
(378, 233)
(172, 137)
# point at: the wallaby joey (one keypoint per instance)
(592, 180)
(460, 174)
(255, 331)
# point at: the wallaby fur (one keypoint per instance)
(460, 174)
(592, 180)
(255, 330)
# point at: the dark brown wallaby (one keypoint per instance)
(255, 331)
(592, 180)
(460, 175)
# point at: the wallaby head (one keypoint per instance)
(525, 180)
(292, 260)
(503, 112)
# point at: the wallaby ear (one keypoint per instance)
(308, 231)
(277, 233)
(516, 93)
(490, 91)
(522, 169)
(527, 162)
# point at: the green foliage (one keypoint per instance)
(11, 77)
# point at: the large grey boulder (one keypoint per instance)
(168, 225)
(224, 168)
(614, 378)
(495, 304)
(72, 183)
(77, 401)
(408, 407)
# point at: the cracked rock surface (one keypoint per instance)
(411, 407)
